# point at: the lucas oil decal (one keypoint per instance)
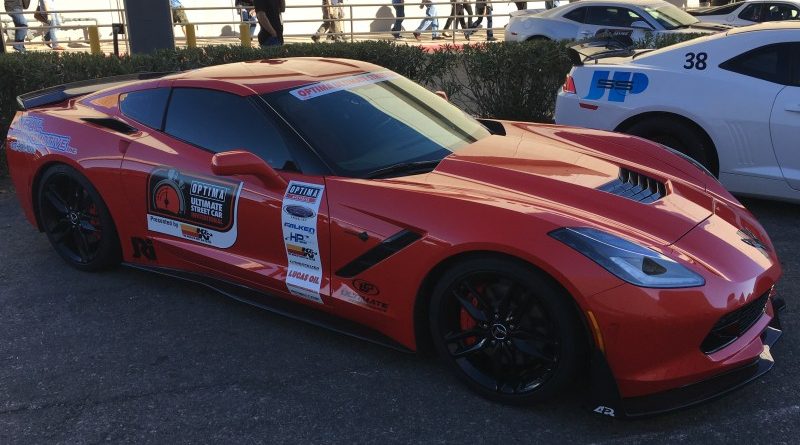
(299, 221)
(192, 207)
(31, 136)
(623, 84)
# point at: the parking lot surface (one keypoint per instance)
(127, 356)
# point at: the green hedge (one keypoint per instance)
(516, 81)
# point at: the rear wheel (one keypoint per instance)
(76, 220)
(677, 135)
(506, 330)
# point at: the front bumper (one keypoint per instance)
(604, 396)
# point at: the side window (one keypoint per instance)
(781, 11)
(576, 15)
(611, 16)
(771, 63)
(753, 13)
(219, 121)
(727, 9)
(145, 106)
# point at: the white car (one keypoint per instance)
(750, 12)
(731, 101)
(590, 18)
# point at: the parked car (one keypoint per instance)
(750, 12)
(730, 101)
(344, 194)
(591, 18)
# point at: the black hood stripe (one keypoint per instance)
(373, 256)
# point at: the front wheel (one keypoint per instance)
(76, 220)
(677, 135)
(506, 330)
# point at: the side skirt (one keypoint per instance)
(279, 306)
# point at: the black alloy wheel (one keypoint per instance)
(76, 220)
(506, 330)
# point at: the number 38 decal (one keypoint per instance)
(696, 61)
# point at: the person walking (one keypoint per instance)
(337, 14)
(50, 19)
(15, 9)
(430, 21)
(484, 9)
(456, 18)
(521, 5)
(178, 14)
(268, 13)
(400, 14)
(247, 14)
(327, 24)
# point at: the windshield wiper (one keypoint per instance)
(404, 167)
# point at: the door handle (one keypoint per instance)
(793, 107)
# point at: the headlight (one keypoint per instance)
(630, 262)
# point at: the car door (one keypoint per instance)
(613, 20)
(236, 228)
(785, 124)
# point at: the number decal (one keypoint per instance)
(696, 61)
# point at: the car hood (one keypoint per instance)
(549, 168)
(706, 27)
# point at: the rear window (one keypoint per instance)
(145, 106)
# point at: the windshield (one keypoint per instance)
(671, 17)
(364, 123)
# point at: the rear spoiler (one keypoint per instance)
(600, 47)
(60, 93)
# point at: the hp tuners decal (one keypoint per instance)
(299, 221)
(31, 136)
(191, 207)
(623, 84)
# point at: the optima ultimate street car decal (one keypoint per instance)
(192, 207)
(299, 219)
(31, 136)
(344, 83)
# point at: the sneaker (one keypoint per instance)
(58, 48)
(398, 37)
(437, 38)
(446, 34)
(491, 39)
(416, 36)
(315, 38)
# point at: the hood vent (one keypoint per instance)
(636, 186)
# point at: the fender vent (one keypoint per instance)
(111, 124)
(636, 186)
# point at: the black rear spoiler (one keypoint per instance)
(60, 93)
(600, 47)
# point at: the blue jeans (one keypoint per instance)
(483, 9)
(246, 18)
(428, 22)
(399, 13)
(21, 23)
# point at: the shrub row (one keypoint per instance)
(506, 81)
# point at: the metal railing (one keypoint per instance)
(93, 31)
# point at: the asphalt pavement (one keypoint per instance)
(127, 356)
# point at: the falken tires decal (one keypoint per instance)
(193, 207)
(299, 222)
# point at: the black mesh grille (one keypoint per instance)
(732, 325)
(636, 186)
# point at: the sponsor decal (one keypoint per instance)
(143, 248)
(331, 86)
(304, 275)
(365, 287)
(623, 84)
(611, 32)
(347, 294)
(299, 212)
(605, 411)
(193, 207)
(31, 137)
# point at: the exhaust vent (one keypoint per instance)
(636, 186)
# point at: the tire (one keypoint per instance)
(76, 220)
(678, 135)
(537, 39)
(534, 326)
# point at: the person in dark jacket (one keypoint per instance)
(268, 13)
(15, 9)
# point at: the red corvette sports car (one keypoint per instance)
(341, 193)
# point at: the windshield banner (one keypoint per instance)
(331, 86)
